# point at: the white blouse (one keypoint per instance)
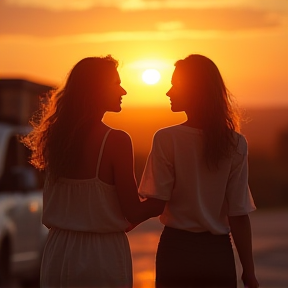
(198, 199)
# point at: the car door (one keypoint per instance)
(23, 208)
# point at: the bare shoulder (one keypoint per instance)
(119, 135)
(119, 139)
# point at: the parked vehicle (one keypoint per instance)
(22, 235)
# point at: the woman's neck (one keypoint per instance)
(193, 121)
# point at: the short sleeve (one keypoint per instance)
(238, 194)
(158, 176)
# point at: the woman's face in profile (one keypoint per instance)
(113, 92)
(178, 93)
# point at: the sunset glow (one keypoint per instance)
(151, 76)
(246, 39)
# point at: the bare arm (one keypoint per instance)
(134, 210)
(241, 232)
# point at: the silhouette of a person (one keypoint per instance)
(90, 194)
(199, 169)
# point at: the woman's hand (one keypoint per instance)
(241, 233)
(131, 227)
(122, 159)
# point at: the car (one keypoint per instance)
(22, 234)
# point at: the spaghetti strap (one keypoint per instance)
(101, 152)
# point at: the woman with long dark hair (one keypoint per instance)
(199, 169)
(90, 194)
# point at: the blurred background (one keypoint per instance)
(40, 41)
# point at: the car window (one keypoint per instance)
(16, 163)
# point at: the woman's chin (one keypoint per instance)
(174, 109)
(116, 109)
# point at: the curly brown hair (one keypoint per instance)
(64, 119)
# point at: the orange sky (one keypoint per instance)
(247, 39)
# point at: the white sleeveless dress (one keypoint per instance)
(86, 245)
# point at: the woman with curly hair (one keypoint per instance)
(90, 194)
(199, 169)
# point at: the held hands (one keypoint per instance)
(131, 227)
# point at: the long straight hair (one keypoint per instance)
(65, 118)
(219, 113)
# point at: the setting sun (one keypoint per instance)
(151, 76)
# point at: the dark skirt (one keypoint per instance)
(187, 259)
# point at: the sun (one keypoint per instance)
(151, 76)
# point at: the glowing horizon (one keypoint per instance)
(247, 40)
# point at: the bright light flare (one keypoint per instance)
(151, 76)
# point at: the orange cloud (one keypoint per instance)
(41, 22)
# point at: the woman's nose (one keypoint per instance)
(168, 92)
(124, 91)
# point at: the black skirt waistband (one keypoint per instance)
(174, 233)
